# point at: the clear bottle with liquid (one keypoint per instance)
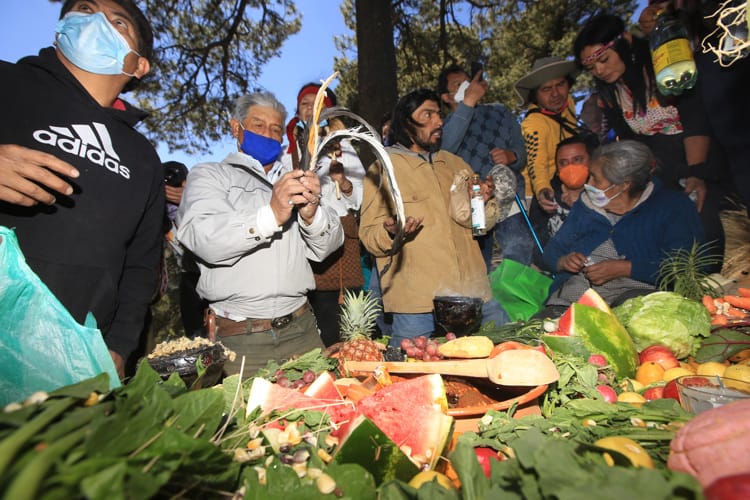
(672, 56)
(478, 224)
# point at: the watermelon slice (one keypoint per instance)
(589, 298)
(365, 444)
(269, 397)
(323, 387)
(590, 330)
(412, 413)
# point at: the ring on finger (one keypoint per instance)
(291, 202)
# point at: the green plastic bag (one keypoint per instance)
(520, 289)
(42, 347)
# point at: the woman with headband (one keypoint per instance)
(675, 128)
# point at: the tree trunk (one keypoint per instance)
(376, 60)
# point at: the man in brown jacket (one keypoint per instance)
(440, 256)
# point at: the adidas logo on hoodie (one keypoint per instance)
(87, 141)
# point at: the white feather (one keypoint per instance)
(384, 160)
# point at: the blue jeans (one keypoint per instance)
(515, 240)
(408, 326)
(514, 237)
(374, 289)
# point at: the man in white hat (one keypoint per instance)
(550, 119)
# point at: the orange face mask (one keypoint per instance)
(574, 175)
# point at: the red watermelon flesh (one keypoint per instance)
(269, 397)
(589, 298)
(323, 387)
(412, 413)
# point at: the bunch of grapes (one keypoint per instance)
(422, 348)
(291, 379)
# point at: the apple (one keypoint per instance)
(597, 360)
(659, 354)
(486, 455)
(654, 393)
(609, 394)
(670, 390)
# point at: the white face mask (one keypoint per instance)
(91, 42)
(461, 92)
(598, 196)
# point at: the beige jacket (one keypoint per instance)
(442, 258)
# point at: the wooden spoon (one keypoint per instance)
(517, 367)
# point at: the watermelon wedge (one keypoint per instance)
(365, 444)
(273, 397)
(412, 413)
(323, 387)
(584, 330)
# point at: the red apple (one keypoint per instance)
(609, 394)
(659, 354)
(670, 390)
(598, 360)
(485, 456)
(654, 393)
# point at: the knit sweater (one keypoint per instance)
(666, 220)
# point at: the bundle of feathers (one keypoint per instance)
(312, 146)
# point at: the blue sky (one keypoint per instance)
(28, 25)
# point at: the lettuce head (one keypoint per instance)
(665, 318)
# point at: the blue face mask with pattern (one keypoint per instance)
(262, 148)
(91, 42)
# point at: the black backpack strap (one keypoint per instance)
(253, 173)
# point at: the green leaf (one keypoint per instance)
(354, 481)
(723, 344)
(108, 483)
(197, 409)
(82, 390)
(133, 424)
(474, 483)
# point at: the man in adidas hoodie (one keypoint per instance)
(80, 186)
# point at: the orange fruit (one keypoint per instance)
(649, 372)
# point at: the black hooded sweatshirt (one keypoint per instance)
(97, 250)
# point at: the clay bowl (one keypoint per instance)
(470, 397)
(458, 314)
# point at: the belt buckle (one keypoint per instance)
(282, 321)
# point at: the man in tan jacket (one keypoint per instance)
(440, 256)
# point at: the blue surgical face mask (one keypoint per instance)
(262, 148)
(91, 42)
(598, 196)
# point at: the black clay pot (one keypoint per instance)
(457, 314)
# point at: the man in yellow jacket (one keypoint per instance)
(440, 256)
(550, 119)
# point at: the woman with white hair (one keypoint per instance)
(620, 228)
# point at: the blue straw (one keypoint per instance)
(528, 223)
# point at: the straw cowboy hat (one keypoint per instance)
(543, 70)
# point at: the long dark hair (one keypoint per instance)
(403, 126)
(639, 70)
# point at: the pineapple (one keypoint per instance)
(357, 324)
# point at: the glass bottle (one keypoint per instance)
(672, 56)
(478, 224)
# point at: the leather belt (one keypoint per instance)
(226, 327)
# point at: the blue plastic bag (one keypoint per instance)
(42, 347)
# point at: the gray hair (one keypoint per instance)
(265, 99)
(625, 161)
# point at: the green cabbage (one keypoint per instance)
(665, 318)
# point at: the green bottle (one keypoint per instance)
(672, 56)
